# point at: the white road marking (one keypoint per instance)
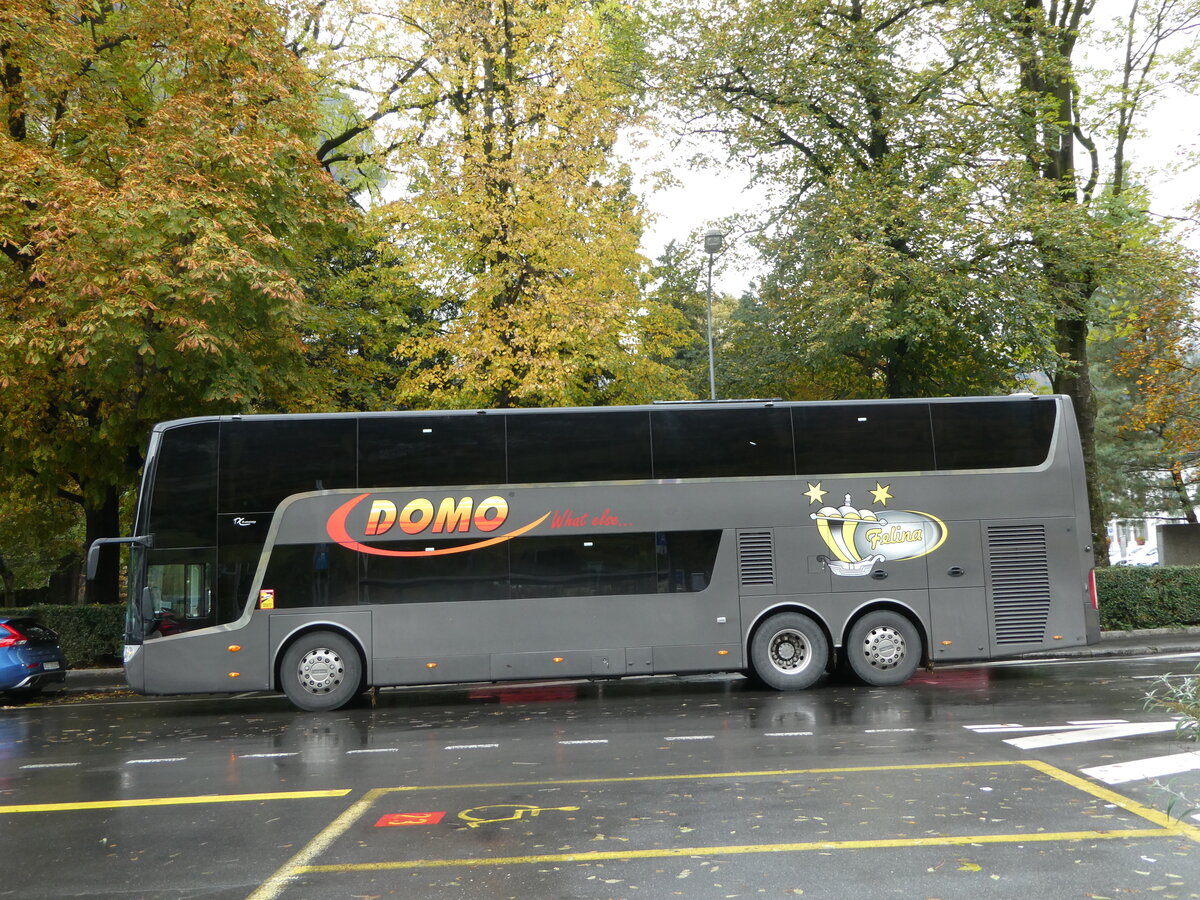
(1082, 735)
(887, 730)
(376, 750)
(691, 737)
(596, 741)
(149, 762)
(470, 746)
(1153, 767)
(50, 765)
(1005, 729)
(265, 755)
(788, 734)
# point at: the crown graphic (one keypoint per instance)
(837, 527)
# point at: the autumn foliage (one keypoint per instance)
(157, 190)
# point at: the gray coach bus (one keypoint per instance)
(322, 555)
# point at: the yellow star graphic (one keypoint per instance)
(814, 493)
(881, 493)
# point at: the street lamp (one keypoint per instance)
(714, 241)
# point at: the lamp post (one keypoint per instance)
(714, 241)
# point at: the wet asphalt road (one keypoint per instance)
(1006, 781)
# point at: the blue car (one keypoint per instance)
(30, 657)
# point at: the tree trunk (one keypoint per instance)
(9, 583)
(1073, 378)
(104, 521)
(1181, 492)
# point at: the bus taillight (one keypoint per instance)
(1092, 589)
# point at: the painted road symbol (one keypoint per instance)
(422, 818)
(517, 811)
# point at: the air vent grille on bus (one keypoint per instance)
(1020, 570)
(756, 558)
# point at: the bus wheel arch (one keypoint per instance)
(788, 648)
(321, 668)
(884, 644)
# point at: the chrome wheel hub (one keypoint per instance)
(884, 647)
(321, 671)
(789, 651)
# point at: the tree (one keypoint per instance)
(887, 245)
(678, 302)
(37, 538)
(158, 192)
(520, 225)
(1152, 353)
(1084, 224)
(760, 358)
(361, 303)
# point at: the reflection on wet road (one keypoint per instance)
(974, 782)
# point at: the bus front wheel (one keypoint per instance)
(789, 651)
(321, 671)
(883, 648)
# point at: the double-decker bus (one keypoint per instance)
(323, 555)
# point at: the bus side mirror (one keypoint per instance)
(93, 556)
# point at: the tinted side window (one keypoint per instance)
(993, 435)
(183, 507)
(306, 575)
(686, 559)
(412, 451)
(714, 443)
(863, 438)
(475, 575)
(601, 446)
(584, 565)
(263, 461)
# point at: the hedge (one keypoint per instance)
(1148, 596)
(90, 636)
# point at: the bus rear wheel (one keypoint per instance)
(321, 671)
(883, 648)
(789, 651)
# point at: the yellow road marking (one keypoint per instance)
(300, 863)
(736, 849)
(170, 801)
(1177, 826)
(633, 779)
(274, 885)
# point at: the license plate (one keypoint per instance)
(49, 666)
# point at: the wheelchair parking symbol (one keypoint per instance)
(516, 812)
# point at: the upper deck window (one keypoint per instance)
(183, 505)
(411, 451)
(722, 443)
(992, 435)
(569, 446)
(863, 437)
(265, 460)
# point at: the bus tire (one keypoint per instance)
(321, 671)
(883, 648)
(789, 651)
